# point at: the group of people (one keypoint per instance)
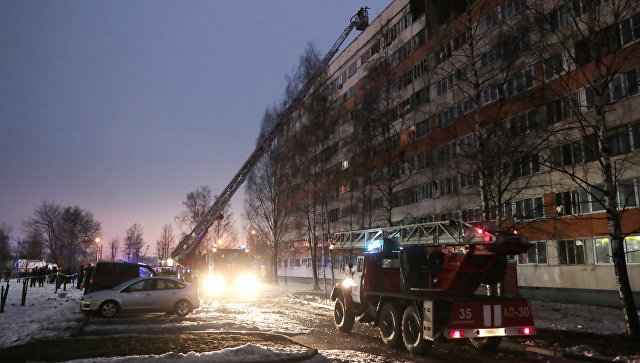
(42, 274)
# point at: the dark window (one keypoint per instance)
(571, 252)
(635, 131)
(630, 29)
(618, 142)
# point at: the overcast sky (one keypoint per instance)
(122, 107)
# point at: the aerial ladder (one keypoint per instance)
(190, 242)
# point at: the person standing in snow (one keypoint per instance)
(86, 281)
(80, 276)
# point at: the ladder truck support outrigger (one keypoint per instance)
(418, 283)
(184, 251)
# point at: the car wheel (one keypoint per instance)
(108, 309)
(389, 323)
(488, 344)
(182, 308)
(412, 333)
(342, 317)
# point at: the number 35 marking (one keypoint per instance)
(465, 314)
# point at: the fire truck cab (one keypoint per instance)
(420, 289)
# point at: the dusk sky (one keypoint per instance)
(122, 107)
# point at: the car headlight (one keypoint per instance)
(246, 284)
(214, 284)
(348, 282)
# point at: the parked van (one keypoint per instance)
(109, 274)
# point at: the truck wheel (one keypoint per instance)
(488, 344)
(390, 324)
(412, 333)
(342, 317)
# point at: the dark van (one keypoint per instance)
(109, 274)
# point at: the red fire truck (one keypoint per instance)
(418, 284)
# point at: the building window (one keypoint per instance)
(489, 95)
(618, 142)
(469, 179)
(635, 134)
(353, 68)
(567, 154)
(449, 185)
(345, 164)
(447, 117)
(630, 29)
(526, 165)
(571, 252)
(426, 191)
(333, 215)
(424, 129)
(537, 254)
(631, 249)
(520, 82)
(567, 203)
(529, 208)
(450, 215)
(553, 67)
(488, 20)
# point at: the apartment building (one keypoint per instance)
(488, 110)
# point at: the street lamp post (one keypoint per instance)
(97, 240)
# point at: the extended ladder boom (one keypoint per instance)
(193, 239)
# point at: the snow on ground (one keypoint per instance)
(45, 314)
(50, 315)
(248, 353)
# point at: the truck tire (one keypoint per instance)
(342, 317)
(390, 324)
(488, 344)
(412, 333)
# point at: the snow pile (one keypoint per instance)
(45, 314)
(249, 353)
(245, 353)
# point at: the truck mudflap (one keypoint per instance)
(499, 318)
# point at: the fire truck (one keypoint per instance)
(231, 273)
(418, 284)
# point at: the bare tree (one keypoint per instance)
(114, 245)
(77, 230)
(313, 152)
(196, 204)
(166, 242)
(43, 225)
(134, 241)
(65, 232)
(266, 206)
(590, 54)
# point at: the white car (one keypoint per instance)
(144, 294)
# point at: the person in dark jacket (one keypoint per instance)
(86, 281)
(80, 277)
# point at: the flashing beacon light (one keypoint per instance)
(515, 231)
(479, 231)
(374, 245)
(456, 334)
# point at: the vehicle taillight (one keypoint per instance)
(456, 334)
(515, 231)
(92, 280)
(526, 330)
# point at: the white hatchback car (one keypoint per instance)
(144, 294)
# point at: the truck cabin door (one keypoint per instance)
(357, 280)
